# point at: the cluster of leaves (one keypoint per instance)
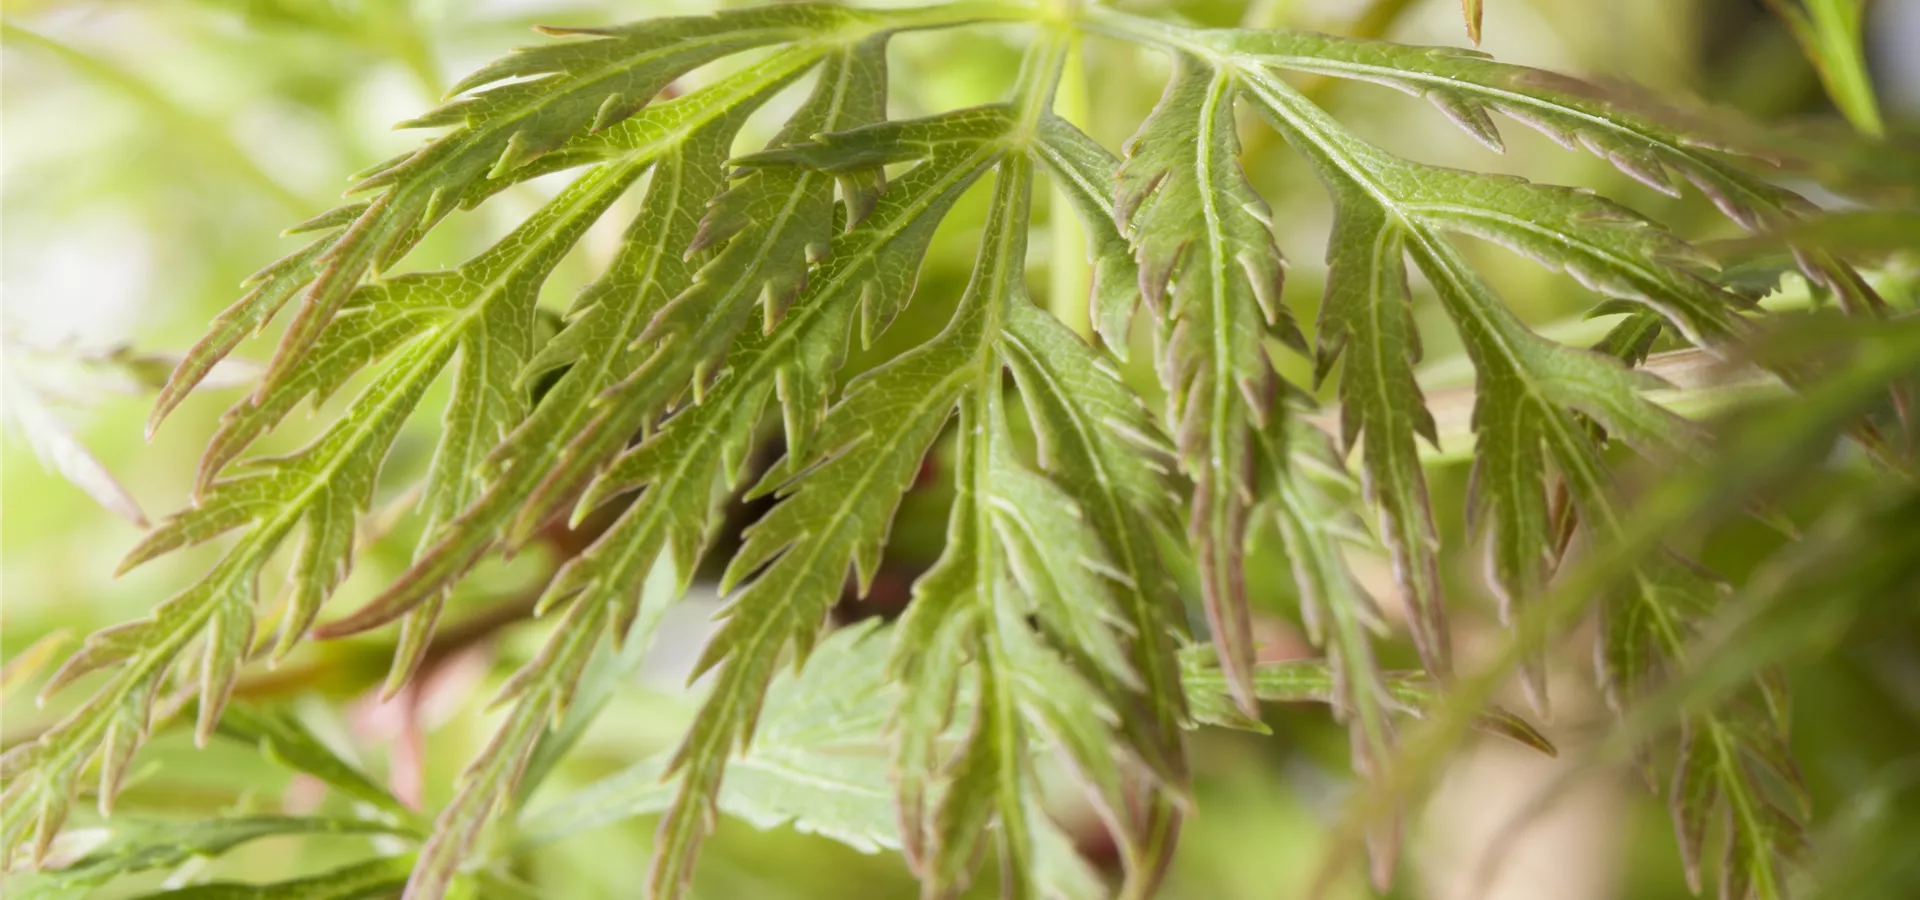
(1053, 621)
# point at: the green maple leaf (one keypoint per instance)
(1193, 220)
(842, 479)
(1053, 621)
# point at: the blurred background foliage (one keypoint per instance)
(154, 148)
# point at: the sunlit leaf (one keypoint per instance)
(1055, 625)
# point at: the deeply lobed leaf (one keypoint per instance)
(1195, 224)
(1052, 618)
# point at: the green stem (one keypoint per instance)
(1829, 34)
(1266, 13)
(947, 15)
(1071, 276)
(395, 28)
(1708, 490)
(218, 148)
(1378, 18)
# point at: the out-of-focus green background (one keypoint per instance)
(154, 149)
